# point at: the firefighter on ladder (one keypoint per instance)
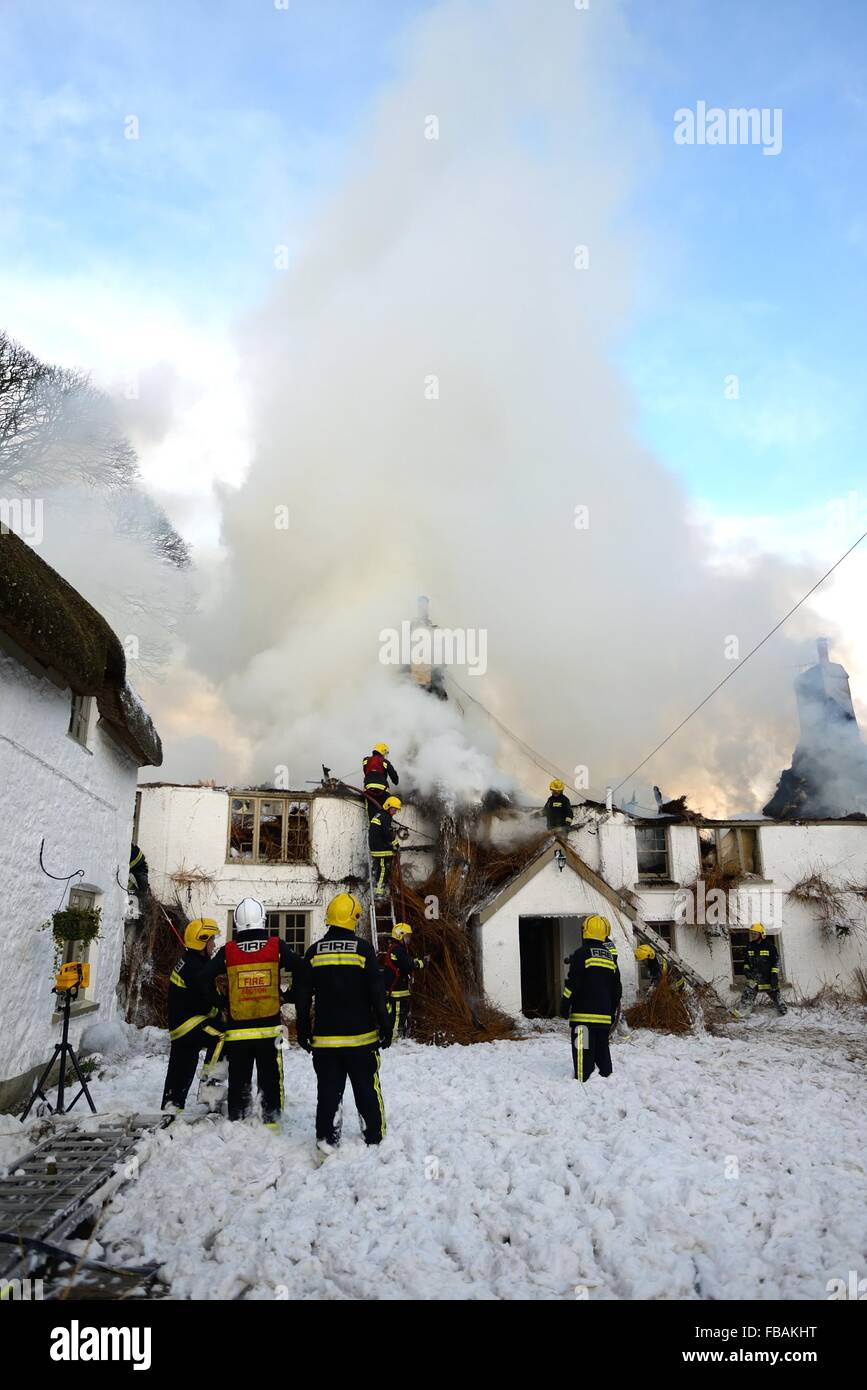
(382, 843)
(657, 968)
(762, 970)
(591, 998)
(350, 1023)
(193, 1009)
(378, 772)
(558, 807)
(398, 969)
(252, 962)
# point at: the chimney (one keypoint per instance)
(822, 649)
(423, 614)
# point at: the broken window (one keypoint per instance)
(272, 816)
(652, 846)
(298, 832)
(734, 850)
(269, 830)
(241, 829)
(291, 927)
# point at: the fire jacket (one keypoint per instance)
(192, 999)
(378, 772)
(593, 988)
(252, 965)
(138, 869)
(398, 966)
(558, 811)
(762, 963)
(381, 835)
(344, 985)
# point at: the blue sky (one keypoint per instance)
(764, 257)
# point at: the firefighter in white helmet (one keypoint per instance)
(252, 962)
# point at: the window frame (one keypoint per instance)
(718, 831)
(644, 877)
(256, 799)
(81, 721)
(80, 897)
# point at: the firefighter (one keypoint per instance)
(378, 772)
(591, 998)
(252, 963)
(350, 1024)
(398, 968)
(657, 968)
(762, 969)
(558, 807)
(193, 1009)
(382, 843)
(138, 871)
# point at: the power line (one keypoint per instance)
(737, 668)
(538, 758)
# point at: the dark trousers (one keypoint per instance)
(374, 799)
(398, 1012)
(332, 1066)
(266, 1056)
(382, 874)
(590, 1050)
(183, 1060)
(749, 996)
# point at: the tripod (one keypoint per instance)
(62, 1050)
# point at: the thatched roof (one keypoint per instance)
(60, 630)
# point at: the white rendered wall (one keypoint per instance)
(82, 803)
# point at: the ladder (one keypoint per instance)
(65, 1180)
(382, 917)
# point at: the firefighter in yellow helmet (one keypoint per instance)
(762, 972)
(252, 962)
(383, 845)
(591, 997)
(558, 807)
(378, 772)
(343, 1021)
(657, 968)
(193, 1013)
(398, 967)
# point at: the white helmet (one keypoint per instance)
(249, 915)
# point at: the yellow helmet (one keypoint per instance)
(595, 927)
(644, 952)
(381, 748)
(197, 934)
(343, 911)
(556, 785)
(392, 803)
(758, 927)
(400, 930)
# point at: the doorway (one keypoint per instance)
(539, 939)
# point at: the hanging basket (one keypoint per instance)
(75, 924)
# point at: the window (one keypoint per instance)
(289, 926)
(269, 830)
(75, 950)
(666, 931)
(733, 850)
(80, 719)
(652, 847)
(739, 940)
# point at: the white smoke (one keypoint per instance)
(453, 258)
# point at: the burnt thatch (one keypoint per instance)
(51, 623)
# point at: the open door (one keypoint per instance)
(539, 939)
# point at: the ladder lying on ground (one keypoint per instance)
(65, 1180)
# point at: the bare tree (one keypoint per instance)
(56, 429)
